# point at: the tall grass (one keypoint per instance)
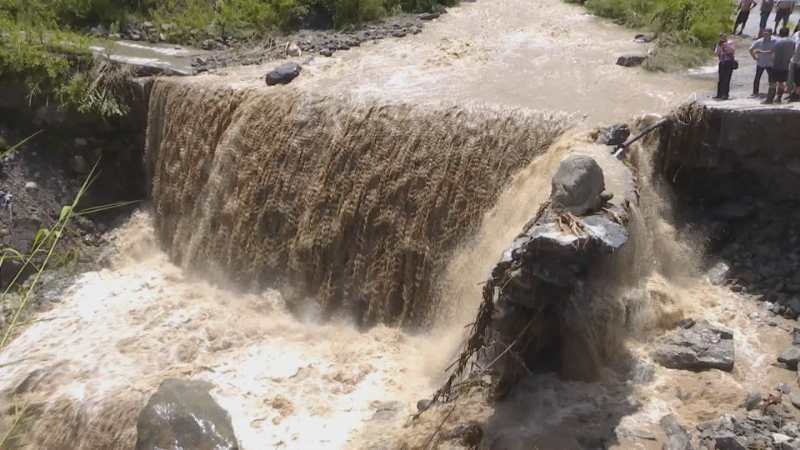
(44, 249)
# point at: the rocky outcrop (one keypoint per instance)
(182, 415)
(541, 291)
(696, 346)
(735, 169)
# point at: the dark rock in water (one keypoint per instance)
(644, 38)
(697, 348)
(614, 135)
(399, 34)
(796, 336)
(577, 185)
(727, 441)
(792, 308)
(283, 74)
(631, 60)
(429, 16)
(790, 356)
(182, 415)
(677, 437)
(752, 401)
(326, 52)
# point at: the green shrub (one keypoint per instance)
(698, 22)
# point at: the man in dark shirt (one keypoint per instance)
(745, 6)
(783, 52)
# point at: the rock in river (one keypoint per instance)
(631, 60)
(182, 415)
(283, 74)
(577, 185)
(790, 356)
(696, 346)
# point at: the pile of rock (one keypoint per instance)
(760, 242)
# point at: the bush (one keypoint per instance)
(697, 22)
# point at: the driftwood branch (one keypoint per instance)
(619, 150)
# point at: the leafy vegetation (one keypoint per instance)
(42, 42)
(685, 26)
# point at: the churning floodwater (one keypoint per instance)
(315, 251)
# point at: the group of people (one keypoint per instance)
(778, 56)
(783, 9)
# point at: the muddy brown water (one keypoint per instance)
(217, 145)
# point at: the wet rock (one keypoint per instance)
(717, 274)
(283, 74)
(182, 415)
(614, 135)
(429, 16)
(696, 348)
(727, 441)
(752, 401)
(644, 38)
(326, 52)
(790, 356)
(794, 397)
(577, 185)
(631, 60)
(677, 437)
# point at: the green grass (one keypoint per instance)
(687, 28)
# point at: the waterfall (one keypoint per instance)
(357, 206)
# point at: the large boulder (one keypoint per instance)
(283, 74)
(182, 415)
(577, 186)
(696, 346)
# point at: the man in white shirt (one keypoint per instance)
(763, 52)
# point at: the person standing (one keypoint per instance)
(783, 52)
(766, 10)
(783, 10)
(795, 68)
(745, 6)
(762, 52)
(726, 52)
